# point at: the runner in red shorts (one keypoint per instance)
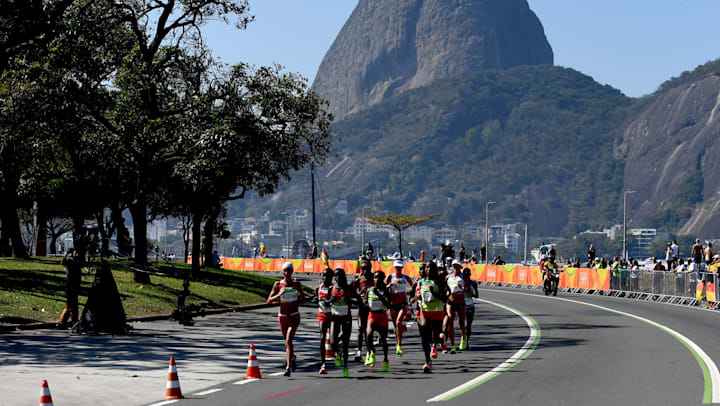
(377, 299)
(288, 292)
(400, 286)
(430, 318)
(324, 316)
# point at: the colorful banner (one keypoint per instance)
(524, 275)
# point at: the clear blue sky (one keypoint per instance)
(632, 45)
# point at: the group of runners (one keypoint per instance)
(438, 298)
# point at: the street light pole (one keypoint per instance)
(625, 256)
(525, 254)
(487, 232)
(287, 233)
(362, 233)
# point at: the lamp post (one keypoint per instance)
(525, 254)
(362, 233)
(487, 232)
(625, 256)
(287, 238)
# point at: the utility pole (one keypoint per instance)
(625, 256)
(487, 232)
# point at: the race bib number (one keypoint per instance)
(340, 310)
(375, 305)
(427, 296)
(325, 308)
(469, 301)
(289, 296)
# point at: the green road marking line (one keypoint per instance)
(711, 375)
(515, 359)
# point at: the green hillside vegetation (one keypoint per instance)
(538, 140)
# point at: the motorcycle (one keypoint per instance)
(551, 279)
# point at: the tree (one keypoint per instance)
(399, 223)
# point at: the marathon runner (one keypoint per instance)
(341, 319)
(456, 290)
(469, 303)
(288, 292)
(324, 316)
(361, 283)
(377, 299)
(430, 316)
(442, 285)
(400, 285)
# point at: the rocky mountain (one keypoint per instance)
(388, 47)
(538, 140)
(672, 147)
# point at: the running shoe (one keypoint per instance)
(371, 360)
(358, 356)
(399, 351)
(452, 350)
(346, 372)
(323, 370)
(427, 369)
(463, 344)
(338, 361)
(433, 352)
(367, 359)
(287, 372)
(385, 366)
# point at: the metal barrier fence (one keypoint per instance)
(661, 282)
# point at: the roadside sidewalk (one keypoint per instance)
(132, 370)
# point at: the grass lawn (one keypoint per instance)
(33, 290)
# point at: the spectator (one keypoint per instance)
(462, 252)
(676, 250)
(498, 261)
(693, 271)
(255, 251)
(634, 274)
(709, 253)
(669, 257)
(217, 264)
(73, 279)
(577, 263)
(483, 253)
(657, 265)
(591, 253)
(697, 252)
(552, 252)
(681, 271)
(543, 249)
(475, 254)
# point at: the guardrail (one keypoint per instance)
(661, 286)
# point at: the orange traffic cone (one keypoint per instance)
(45, 396)
(329, 353)
(253, 369)
(172, 389)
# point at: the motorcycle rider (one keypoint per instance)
(550, 270)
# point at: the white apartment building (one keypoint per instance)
(369, 227)
(444, 234)
(419, 233)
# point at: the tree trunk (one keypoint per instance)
(11, 226)
(5, 248)
(138, 210)
(124, 241)
(105, 234)
(400, 243)
(41, 227)
(53, 244)
(209, 230)
(196, 230)
(186, 223)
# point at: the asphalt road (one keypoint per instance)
(585, 355)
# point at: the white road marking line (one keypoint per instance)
(521, 354)
(207, 392)
(244, 381)
(277, 373)
(167, 402)
(700, 355)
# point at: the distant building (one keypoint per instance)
(512, 241)
(369, 228)
(445, 234)
(419, 233)
(277, 227)
(644, 238)
(341, 207)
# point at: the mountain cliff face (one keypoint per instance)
(390, 46)
(672, 148)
